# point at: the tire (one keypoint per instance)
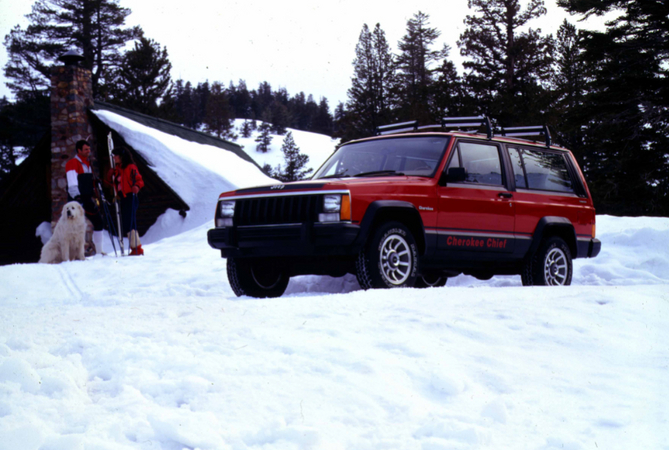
(389, 260)
(256, 278)
(427, 281)
(551, 265)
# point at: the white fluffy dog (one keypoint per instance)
(67, 242)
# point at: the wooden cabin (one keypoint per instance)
(35, 191)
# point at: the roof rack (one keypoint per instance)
(469, 125)
(538, 132)
(397, 128)
(460, 123)
(447, 123)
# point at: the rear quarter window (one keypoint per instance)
(540, 170)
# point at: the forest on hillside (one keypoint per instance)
(603, 94)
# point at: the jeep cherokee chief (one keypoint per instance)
(412, 207)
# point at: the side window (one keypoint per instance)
(544, 171)
(455, 161)
(518, 171)
(480, 161)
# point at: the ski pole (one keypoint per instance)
(106, 216)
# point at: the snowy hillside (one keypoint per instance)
(318, 147)
(156, 352)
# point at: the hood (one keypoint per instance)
(330, 184)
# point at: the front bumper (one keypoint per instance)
(306, 239)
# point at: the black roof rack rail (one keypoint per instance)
(397, 128)
(429, 127)
(447, 123)
(468, 122)
(539, 132)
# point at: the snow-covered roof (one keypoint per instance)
(197, 172)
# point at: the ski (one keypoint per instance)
(117, 204)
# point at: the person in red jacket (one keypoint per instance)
(128, 182)
(80, 188)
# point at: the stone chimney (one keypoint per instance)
(71, 96)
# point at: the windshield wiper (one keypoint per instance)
(378, 173)
(334, 175)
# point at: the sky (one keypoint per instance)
(300, 45)
(157, 353)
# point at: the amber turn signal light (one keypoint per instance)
(345, 213)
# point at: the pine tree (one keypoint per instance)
(246, 129)
(280, 116)
(341, 123)
(323, 119)
(415, 84)
(626, 124)
(218, 113)
(369, 96)
(240, 100)
(297, 107)
(184, 103)
(8, 153)
(267, 170)
(508, 69)
(295, 161)
(264, 139)
(261, 99)
(310, 113)
(569, 84)
(22, 124)
(449, 95)
(143, 77)
(200, 100)
(95, 28)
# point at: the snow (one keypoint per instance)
(317, 147)
(156, 352)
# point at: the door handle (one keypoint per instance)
(505, 195)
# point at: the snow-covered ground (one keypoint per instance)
(156, 352)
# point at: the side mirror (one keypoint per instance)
(453, 175)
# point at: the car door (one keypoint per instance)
(476, 215)
(546, 185)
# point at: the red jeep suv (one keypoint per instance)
(412, 207)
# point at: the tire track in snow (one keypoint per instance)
(69, 283)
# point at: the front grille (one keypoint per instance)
(277, 210)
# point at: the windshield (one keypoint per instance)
(414, 156)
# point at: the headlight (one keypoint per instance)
(336, 208)
(226, 211)
(332, 203)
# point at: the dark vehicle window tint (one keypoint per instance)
(545, 171)
(481, 162)
(518, 172)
